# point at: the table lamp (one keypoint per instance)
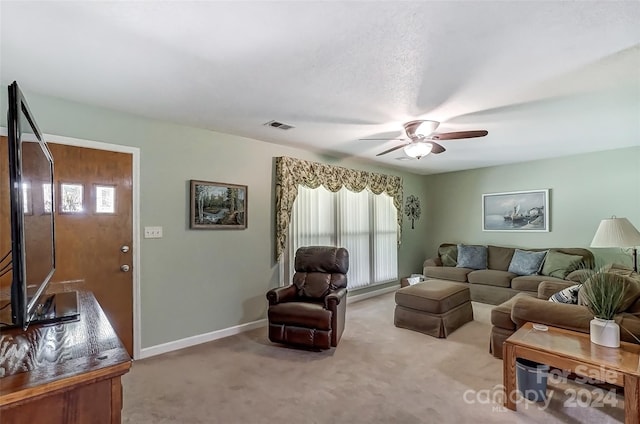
(618, 232)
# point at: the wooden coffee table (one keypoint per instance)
(574, 352)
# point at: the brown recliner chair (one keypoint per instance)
(311, 311)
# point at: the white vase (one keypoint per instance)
(605, 332)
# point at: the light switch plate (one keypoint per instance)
(152, 232)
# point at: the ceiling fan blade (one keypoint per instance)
(458, 134)
(436, 149)
(381, 139)
(392, 149)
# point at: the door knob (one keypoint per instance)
(124, 249)
(124, 268)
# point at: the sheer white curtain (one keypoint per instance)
(385, 242)
(353, 230)
(363, 223)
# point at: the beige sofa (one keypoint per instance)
(524, 307)
(495, 284)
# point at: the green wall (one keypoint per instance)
(194, 282)
(584, 189)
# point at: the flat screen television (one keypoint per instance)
(32, 204)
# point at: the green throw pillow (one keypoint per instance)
(448, 255)
(559, 265)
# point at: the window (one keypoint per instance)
(71, 199)
(46, 195)
(105, 199)
(363, 223)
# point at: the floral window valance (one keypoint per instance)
(291, 172)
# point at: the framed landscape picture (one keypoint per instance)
(218, 206)
(526, 211)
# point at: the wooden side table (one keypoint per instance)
(574, 352)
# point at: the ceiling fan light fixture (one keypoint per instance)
(418, 149)
(426, 128)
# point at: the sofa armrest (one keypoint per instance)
(629, 327)
(282, 294)
(332, 300)
(531, 309)
(547, 288)
(432, 262)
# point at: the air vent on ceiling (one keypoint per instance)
(279, 125)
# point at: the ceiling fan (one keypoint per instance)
(422, 139)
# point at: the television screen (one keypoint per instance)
(32, 210)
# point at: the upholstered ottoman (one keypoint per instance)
(433, 307)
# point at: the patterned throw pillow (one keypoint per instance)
(474, 257)
(568, 295)
(525, 262)
(448, 255)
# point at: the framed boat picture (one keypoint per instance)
(525, 211)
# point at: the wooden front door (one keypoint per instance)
(90, 232)
(94, 236)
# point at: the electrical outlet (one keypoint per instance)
(152, 232)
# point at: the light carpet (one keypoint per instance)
(377, 374)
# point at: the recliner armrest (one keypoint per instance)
(282, 294)
(333, 299)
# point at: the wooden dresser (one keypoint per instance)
(66, 373)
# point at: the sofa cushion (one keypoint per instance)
(634, 308)
(526, 262)
(491, 277)
(447, 273)
(568, 295)
(499, 258)
(579, 275)
(530, 282)
(474, 257)
(448, 255)
(558, 264)
(631, 293)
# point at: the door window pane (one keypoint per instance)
(26, 198)
(71, 198)
(46, 195)
(105, 199)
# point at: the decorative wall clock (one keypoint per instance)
(412, 209)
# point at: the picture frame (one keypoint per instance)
(516, 211)
(217, 206)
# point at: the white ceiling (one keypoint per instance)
(546, 79)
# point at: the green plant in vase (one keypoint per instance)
(604, 293)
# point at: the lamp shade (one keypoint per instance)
(616, 232)
(418, 149)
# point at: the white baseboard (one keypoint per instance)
(367, 295)
(231, 331)
(200, 338)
